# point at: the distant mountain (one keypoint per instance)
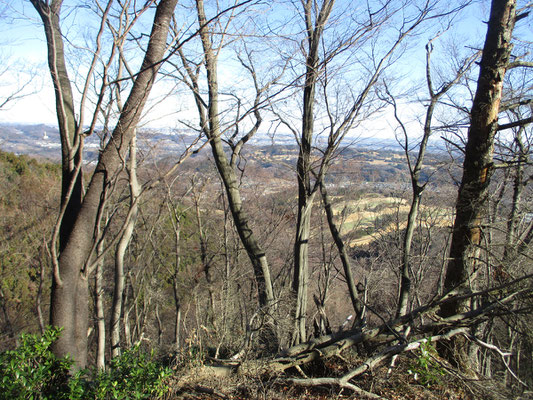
(43, 140)
(35, 140)
(378, 164)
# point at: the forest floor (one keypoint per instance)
(400, 383)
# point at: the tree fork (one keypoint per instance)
(69, 297)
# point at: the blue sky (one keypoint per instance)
(23, 44)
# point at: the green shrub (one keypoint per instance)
(133, 375)
(425, 367)
(32, 372)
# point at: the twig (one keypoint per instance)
(203, 389)
(502, 354)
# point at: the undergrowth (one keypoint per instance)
(425, 368)
(31, 371)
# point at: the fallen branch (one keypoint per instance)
(335, 382)
(502, 354)
(370, 364)
(432, 307)
(332, 345)
(207, 390)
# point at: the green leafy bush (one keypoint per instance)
(133, 375)
(425, 367)
(32, 372)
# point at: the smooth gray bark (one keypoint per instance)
(415, 170)
(357, 304)
(69, 303)
(211, 126)
(120, 251)
(70, 135)
(306, 191)
(100, 315)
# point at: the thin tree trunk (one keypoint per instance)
(204, 257)
(255, 252)
(512, 245)
(175, 281)
(345, 259)
(120, 252)
(160, 326)
(100, 317)
(128, 340)
(306, 192)
(416, 169)
(39, 298)
(177, 323)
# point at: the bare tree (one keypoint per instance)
(315, 22)
(341, 112)
(478, 164)
(210, 124)
(416, 166)
(127, 232)
(81, 213)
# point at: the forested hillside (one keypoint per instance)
(255, 248)
(28, 209)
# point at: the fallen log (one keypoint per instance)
(370, 364)
(332, 345)
(502, 300)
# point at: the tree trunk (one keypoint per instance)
(100, 316)
(477, 167)
(416, 169)
(513, 245)
(255, 252)
(205, 259)
(71, 289)
(357, 304)
(405, 279)
(120, 252)
(71, 147)
(69, 302)
(300, 281)
(175, 277)
(303, 167)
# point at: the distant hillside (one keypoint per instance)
(376, 162)
(44, 140)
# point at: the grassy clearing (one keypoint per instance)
(359, 218)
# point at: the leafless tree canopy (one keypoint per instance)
(208, 241)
